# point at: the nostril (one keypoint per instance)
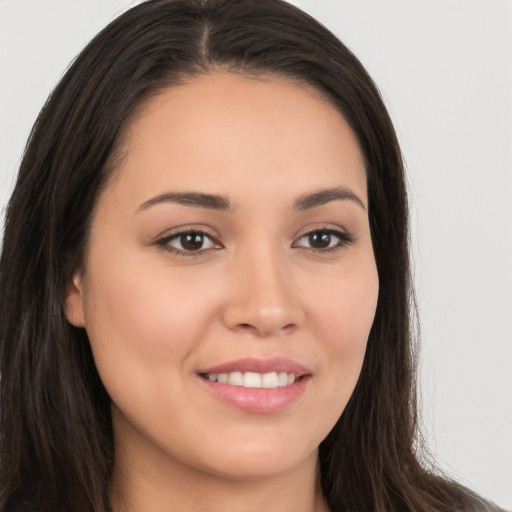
(262, 321)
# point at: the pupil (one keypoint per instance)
(320, 239)
(192, 241)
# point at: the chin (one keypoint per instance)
(257, 460)
(257, 468)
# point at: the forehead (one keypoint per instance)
(224, 129)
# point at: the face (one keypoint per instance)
(229, 284)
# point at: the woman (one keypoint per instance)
(205, 286)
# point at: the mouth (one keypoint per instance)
(257, 385)
(252, 379)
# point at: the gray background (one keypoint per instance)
(445, 71)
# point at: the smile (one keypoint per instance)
(253, 379)
(257, 385)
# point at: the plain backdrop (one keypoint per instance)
(444, 68)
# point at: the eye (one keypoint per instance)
(324, 240)
(188, 242)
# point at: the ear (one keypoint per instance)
(73, 301)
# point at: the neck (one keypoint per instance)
(150, 481)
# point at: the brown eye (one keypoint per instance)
(190, 241)
(324, 240)
(319, 239)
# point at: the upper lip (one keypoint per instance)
(252, 364)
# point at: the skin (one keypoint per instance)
(256, 287)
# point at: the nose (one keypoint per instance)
(263, 298)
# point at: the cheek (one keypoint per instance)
(345, 306)
(344, 320)
(142, 326)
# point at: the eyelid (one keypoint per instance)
(345, 238)
(163, 239)
(322, 226)
(186, 228)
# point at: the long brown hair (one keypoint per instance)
(56, 436)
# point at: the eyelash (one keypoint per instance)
(164, 242)
(344, 239)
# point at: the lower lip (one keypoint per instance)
(259, 400)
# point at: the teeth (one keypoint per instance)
(269, 380)
(254, 380)
(236, 378)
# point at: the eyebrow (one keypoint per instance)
(197, 199)
(221, 203)
(322, 197)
